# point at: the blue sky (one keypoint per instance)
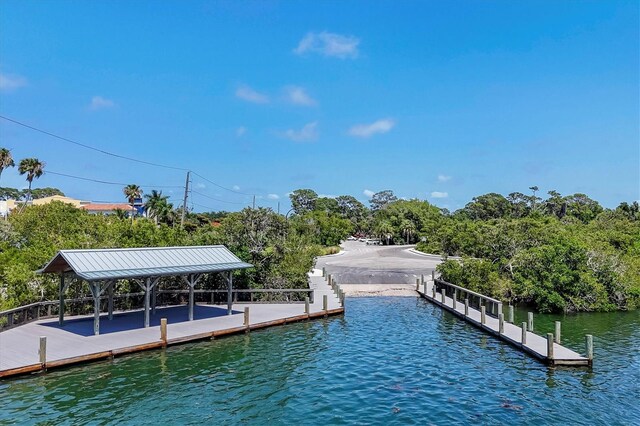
(435, 100)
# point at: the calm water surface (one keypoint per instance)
(387, 361)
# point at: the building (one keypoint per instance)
(108, 208)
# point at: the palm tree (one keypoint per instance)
(6, 159)
(33, 168)
(385, 230)
(408, 228)
(132, 192)
(158, 206)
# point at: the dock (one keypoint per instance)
(75, 342)
(544, 349)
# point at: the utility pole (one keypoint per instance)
(254, 202)
(278, 207)
(184, 203)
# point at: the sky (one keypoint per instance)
(435, 100)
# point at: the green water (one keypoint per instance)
(387, 361)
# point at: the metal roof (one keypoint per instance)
(104, 264)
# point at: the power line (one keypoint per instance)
(220, 186)
(215, 199)
(107, 182)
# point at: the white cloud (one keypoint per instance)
(246, 93)
(98, 102)
(443, 178)
(240, 131)
(436, 194)
(308, 133)
(369, 193)
(273, 196)
(235, 188)
(368, 130)
(298, 96)
(329, 44)
(11, 82)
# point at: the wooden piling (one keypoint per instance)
(549, 345)
(588, 340)
(306, 305)
(42, 351)
(422, 278)
(163, 330)
(443, 295)
(557, 334)
(324, 272)
(433, 291)
(455, 295)
(501, 323)
(466, 307)
(424, 284)
(530, 321)
(246, 316)
(511, 314)
(433, 275)
(417, 284)
(499, 309)
(523, 340)
(483, 314)
(329, 279)
(325, 302)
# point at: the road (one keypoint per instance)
(363, 264)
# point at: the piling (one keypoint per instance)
(524, 333)
(501, 323)
(163, 330)
(42, 351)
(530, 321)
(325, 302)
(466, 307)
(557, 334)
(433, 290)
(588, 340)
(246, 316)
(483, 314)
(424, 284)
(549, 345)
(433, 275)
(329, 279)
(422, 278)
(511, 314)
(499, 308)
(417, 284)
(324, 272)
(306, 305)
(443, 295)
(455, 296)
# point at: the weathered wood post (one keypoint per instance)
(433, 291)
(443, 295)
(455, 296)
(499, 309)
(524, 333)
(466, 307)
(483, 314)
(530, 321)
(342, 298)
(421, 278)
(324, 272)
(550, 346)
(588, 340)
(501, 323)
(329, 279)
(246, 316)
(163, 330)
(433, 275)
(42, 351)
(417, 284)
(306, 305)
(557, 334)
(511, 313)
(424, 287)
(325, 302)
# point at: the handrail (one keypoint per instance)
(482, 296)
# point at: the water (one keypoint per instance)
(387, 361)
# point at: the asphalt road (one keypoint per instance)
(363, 264)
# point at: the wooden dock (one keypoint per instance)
(74, 342)
(534, 345)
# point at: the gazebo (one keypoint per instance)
(102, 268)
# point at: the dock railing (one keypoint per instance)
(493, 307)
(131, 301)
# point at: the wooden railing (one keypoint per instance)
(81, 306)
(492, 306)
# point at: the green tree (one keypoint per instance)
(132, 192)
(6, 160)
(385, 231)
(381, 199)
(488, 206)
(303, 200)
(33, 168)
(158, 206)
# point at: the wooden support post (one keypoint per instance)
(433, 291)
(147, 296)
(500, 323)
(433, 275)
(455, 295)
(230, 294)
(557, 334)
(443, 295)
(530, 321)
(466, 307)
(163, 330)
(324, 272)
(325, 302)
(421, 278)
(499, 309)
(549, 345)
(112, 284)
(523, 340)
(424, 287)
(483, 314)
(329, 279)
(61, 297)
(511, 314)
(246, 316)
(417, 284)
(42, 351)
(588, 340)
(95, 291)
(342, 298)
(306, 305)
(153, 300)
(191, 297)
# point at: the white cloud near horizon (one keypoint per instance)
(368, 130)
(246, 93)
(273, 196)
(369, 193)
(98, 102)
(308, 133)
(444, 178)
(235, 188)
(298, 96)
(329, 44)
(11, 82)
(437, 194)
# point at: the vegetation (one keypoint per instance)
(33, 168)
